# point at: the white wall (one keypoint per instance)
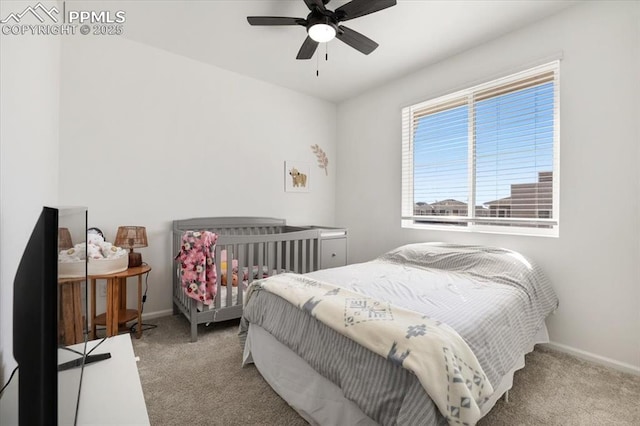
(148, 137)
(594, 266)
(29, 117)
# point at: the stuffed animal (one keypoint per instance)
(223, 269)
(234, 280)
(94, 252)
(94, 238)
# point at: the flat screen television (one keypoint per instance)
(45, 395)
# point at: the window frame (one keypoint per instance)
(471, 221)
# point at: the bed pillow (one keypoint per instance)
(490, 264)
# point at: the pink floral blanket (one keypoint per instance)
(197, 266)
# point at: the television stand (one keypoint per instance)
(87, 360)
(112, 383)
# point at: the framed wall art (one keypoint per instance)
(296, 176)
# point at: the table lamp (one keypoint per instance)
(132, 237)
(64, 239)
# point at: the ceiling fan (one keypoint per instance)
(323, 24)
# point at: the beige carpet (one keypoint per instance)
(203, 383)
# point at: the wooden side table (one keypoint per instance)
(71, 306)
(117, 314)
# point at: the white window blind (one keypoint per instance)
(486, 157)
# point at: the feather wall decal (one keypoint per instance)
(323, 161)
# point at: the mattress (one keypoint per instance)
(223, 295)
(495, 299)
(234, 295)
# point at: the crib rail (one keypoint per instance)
(263, 255)
(232, 225)
(259, 246)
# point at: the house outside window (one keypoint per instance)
(485, 159)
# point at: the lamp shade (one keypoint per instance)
(64, 239)
(131, 237)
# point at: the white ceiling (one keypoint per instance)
(412, 35)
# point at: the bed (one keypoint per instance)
(425, 334)
(252, 247)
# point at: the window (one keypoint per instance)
(485, 158)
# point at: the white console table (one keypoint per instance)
(111, 390)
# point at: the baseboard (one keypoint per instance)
(588, 356)
(157, 314)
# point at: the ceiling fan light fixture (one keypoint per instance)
(322, 33)
(324, 25)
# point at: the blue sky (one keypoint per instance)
(514, 141)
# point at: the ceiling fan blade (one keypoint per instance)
(276, 20)
(356, 40)
(314, 4)
(357, 8)
(308, 48)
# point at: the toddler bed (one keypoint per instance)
(242, 249)
(425, 334)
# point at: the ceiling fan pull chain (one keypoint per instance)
(317, 66)
(326, 51)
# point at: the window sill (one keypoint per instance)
(503, 230)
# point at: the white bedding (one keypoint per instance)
(461, 285)
(430, 349)
(495, 299)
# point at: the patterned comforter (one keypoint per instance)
(495, 299)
